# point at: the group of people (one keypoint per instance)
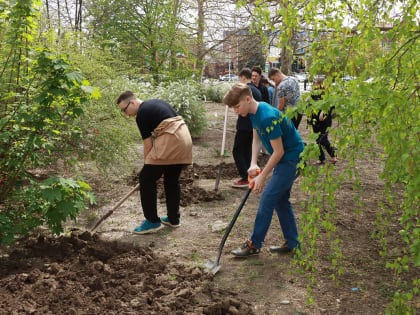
(283, 93)
(261, 123)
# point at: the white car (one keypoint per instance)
(229, 77)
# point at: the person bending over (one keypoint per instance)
(167, 150)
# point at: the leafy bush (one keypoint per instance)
(185, 97)
(107, 134)
(50, 202)
(215, 91)
(37, 131)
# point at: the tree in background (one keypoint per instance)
(277, 22)
(146, 33)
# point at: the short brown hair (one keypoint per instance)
(124, 96)
(236, 93)
(246, 72)
(273, 71)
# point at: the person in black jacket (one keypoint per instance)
(242, 147)
(256, 79)
(321, 122)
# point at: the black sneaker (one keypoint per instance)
(247, 249)
(281, 249)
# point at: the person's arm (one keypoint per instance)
(147, 146)
(282, 103)
(256, 147)
(278, 153)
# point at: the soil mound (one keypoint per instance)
(82, 274)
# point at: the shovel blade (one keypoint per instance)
(212, 266)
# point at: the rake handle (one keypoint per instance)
(119, 203)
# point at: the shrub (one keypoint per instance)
(107, 134)
(214, 91)
(50, 202)
(185, 97)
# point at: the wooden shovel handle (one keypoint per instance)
(119, 203)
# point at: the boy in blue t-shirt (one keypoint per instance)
(282, 141)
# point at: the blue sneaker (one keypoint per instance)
(165, 220)
(147, 227)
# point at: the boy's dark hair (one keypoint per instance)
(125, 96)
(246, 72)
(257, 69)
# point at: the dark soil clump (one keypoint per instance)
(82, 274)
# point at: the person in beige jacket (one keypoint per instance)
(167, 150)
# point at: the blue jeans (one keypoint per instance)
(276, 197)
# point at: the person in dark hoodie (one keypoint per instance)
(242, 146)
(256, 79)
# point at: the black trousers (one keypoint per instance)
(148, 177)
(324, 142)
(242, 152)
(296, 121)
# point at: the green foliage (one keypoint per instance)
(143, 33)
(215, 91)
(41, 95)
(49, 203)
(37, 126)
(186, 98)
(376, 120)
(107, 135)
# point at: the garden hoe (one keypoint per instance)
(214, 266)
(119, 203)
(222, 151)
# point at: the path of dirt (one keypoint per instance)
(117, 272)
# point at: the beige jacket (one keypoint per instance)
(172, 143)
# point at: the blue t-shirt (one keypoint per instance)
(270, 123)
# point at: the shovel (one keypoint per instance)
(222, 151)
(119, 203)
(214, 266)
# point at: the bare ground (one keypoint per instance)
(118, 272)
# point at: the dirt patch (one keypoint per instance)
(81, 274)
(117, 272)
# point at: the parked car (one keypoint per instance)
(229, 77)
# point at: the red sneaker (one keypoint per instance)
(240, 183)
